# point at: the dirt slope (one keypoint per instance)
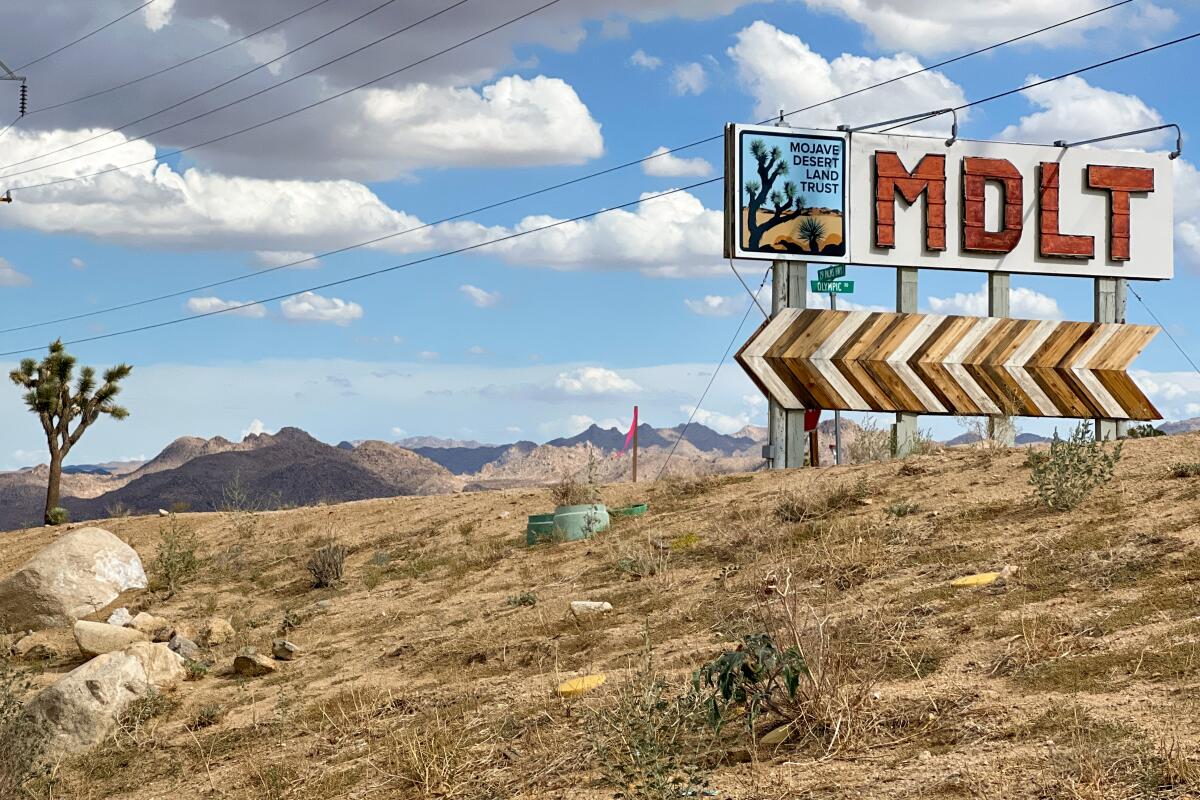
(430, 671)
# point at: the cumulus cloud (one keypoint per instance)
(594, 381)
(928, 28)
(641, 59)
(480, 298)
(208, 305)
(715, 305)
(78, 263)
(256, 428)
(312, 307)
(277, 258)
(9, 276)
(665, 236)
(1175, 394)
(721, 423)
(477, 350)
(1073, 110)
(768, 61)
(158, 15)
(664, 164)
(1023, 303)
(689, 78)
(428, 355)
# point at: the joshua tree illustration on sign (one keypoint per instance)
(788, 204)
(812, 231)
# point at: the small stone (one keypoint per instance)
(505, 514)
(283, 650)
(580, 686)
(121, 617)
(585, 607)
(157, 628)
(216, 631)
(324, 605)
(925, 755)
(252, 665)
(96, 638)
(39, 646)
(776, 736)
(184, 647)
(162, 512)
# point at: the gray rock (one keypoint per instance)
(283, 650)
(81, 709)
(79, 574)
(185, 647)
(250, 664)
(96, 638)
(121, 617)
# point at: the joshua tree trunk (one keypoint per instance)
(53, 486)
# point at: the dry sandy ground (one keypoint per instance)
(427, 676)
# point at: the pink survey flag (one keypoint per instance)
(629, 436)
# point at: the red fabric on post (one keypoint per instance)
(629, 436)
(811, 418)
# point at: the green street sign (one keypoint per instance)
(832, 287)
(831, 273)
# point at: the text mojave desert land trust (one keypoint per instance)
(916, 201)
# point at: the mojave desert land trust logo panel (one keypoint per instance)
(791, 193)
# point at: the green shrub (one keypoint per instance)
(207, 715)
(1185, 470)
(1143, 431)
(195, 670)
(176, 562)
(902, 509)
(59, 516)
(1066, 474)
(756, 677)
(523, 599)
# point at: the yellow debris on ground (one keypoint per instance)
(980, 579)
(578, 686)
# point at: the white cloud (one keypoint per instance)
(277, 258)
(667, 165)
(207, 305)
(843, 303)
(715, 305)
(641, 59)
(721, 423)
(481, 298)
(1074, 110)
(666, 236)
(78, 263)
(594, 381)
(428, 355)
(1023, 303)
(158, 14)
(312, 307)
(399, 432)
(769, 60)
(1176, 394)
(689, 79)
(9, 276)
(477, 350)
(929, 28)
(256, 428)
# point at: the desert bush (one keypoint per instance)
(870, 444)
(653, 743)
(439, 755)
(176, 562)
(1065, 475)
(522, 599)
(22, 741)
(756, 677)
(1143, 431)
(643, 559)
(1185, 469)
(902, 509)
(796, 506)
(572, 492)
(118, 510)
(327, 565)
(195, 670)
(59, 516)
(207, 715)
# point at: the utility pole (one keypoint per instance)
(7, 74)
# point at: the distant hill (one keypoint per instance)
(469, 460)
(1180, 426)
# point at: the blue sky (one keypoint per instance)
(543, 335)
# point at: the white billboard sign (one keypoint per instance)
(983, 206)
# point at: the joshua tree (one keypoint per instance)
(812, 231)
(48, 394)
(787, 204)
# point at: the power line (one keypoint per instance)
(214, 88)
(533, 193)
(1165, 330)
(374, 273)
(178, 64)
(711, 380)
(322, 101)
(58, 50)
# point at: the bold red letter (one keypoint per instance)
(1120, 181)
(929, 178)
(976, 172)
(1050, 241)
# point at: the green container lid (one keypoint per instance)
(636, 510)
(539, 528)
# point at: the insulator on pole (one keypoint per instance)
(24, 101)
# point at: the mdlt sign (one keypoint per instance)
(983, 206)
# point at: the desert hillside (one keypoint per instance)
(430, 670)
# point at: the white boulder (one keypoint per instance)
(77, 575)
(82, 708)
(97, 638)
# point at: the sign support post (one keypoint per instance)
(999, 285)
(1110, 307)
(904, 432)
(789, 281)
(837, 415)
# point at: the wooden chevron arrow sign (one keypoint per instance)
(938, 364)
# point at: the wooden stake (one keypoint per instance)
(635, 443)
